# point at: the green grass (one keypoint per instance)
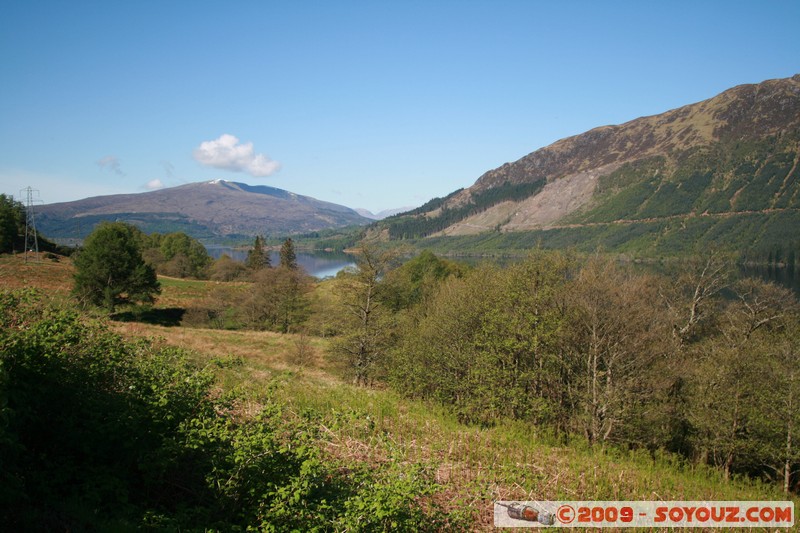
(512, 460)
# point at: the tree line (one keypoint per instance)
(118, 265)
(694, 363)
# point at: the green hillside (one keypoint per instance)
(720, 173)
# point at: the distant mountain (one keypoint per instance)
(719, 172)
(205, 210)
(382, 214)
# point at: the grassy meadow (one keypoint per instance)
(472, 466)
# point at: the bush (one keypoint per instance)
(97, 433)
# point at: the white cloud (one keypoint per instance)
(154, 184)
(227, 153)
(111, 163)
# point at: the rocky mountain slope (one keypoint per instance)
(692, 173)
(205, 210)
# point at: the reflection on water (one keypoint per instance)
(318, 264)
(786, 276)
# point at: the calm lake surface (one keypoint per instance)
(318, 264)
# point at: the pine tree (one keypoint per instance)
(258, 257)
(288, 257)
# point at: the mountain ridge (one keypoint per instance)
(702, 121)
(205, 210)
(717, 155)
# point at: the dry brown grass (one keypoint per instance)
(263, 353)
(53, 277)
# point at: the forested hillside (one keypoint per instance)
(724, 170)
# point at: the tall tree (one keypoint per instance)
(742, 384)
(417, 279)
(226, 269)
(617, 333)
(110, 269)
(785, 406)
(692, 299)
(487, 343)
(288, 256)
(366, 322)
(258, 256)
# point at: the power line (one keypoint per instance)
(31, 239)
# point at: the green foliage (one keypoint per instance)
(751, 235)
(288, 256)
(101, 434)
(740, 196)
(430, 205)
(110, 269)
(487, 357)
(184, 256)
(258, 256)
(743, 386)
(417, 279)
(12, 223)
(621, 358)
(277, 300)
(227, 269)
(365, 323)
(631, 173)
(331, 239)
(174, 254)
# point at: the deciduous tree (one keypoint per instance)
(227, 269)
(618, 334)
(366, 322)
(277, 300)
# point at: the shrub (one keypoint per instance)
(97, 433)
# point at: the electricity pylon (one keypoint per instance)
(31, 240)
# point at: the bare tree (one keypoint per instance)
(692, 298)
(617, 336)
(366, 322)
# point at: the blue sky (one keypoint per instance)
(371, 104)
